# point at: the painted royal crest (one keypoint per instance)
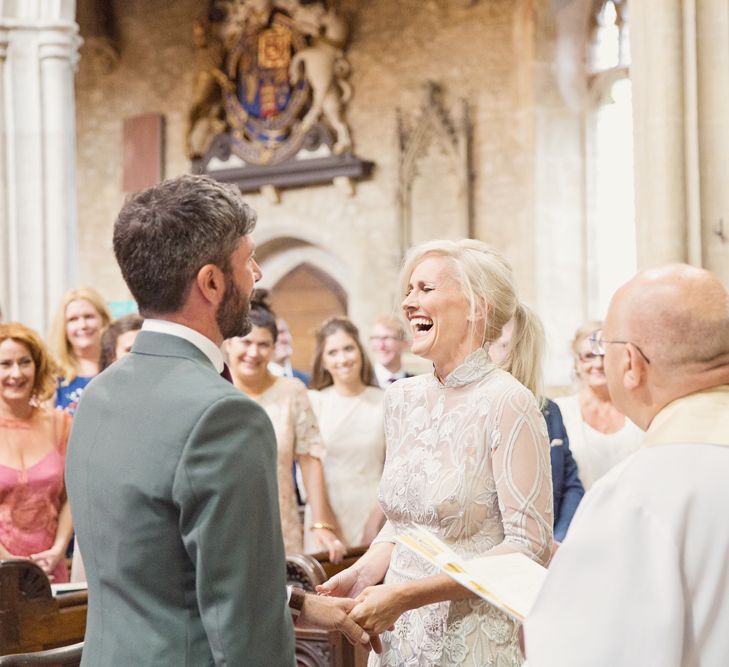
(268, 71)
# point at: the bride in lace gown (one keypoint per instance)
(467, 459)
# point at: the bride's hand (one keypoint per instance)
(348, 583)
(378, 607)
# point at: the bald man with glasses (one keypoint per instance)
(642, 577)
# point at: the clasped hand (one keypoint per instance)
(375, 608)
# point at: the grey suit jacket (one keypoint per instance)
(171, 475)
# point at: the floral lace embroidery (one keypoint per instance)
(467, 459)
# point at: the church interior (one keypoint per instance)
(582, 138)
(585, 140)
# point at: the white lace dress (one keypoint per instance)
(467, 460)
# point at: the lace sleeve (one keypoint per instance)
(386, 534)
(307, 436)
(523, 475)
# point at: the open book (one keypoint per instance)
(510, 582)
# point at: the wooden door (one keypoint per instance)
(305, 297)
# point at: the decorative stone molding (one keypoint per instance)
(268, 104)
(97, 22)
(434, 126)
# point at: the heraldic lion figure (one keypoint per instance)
(326, 68)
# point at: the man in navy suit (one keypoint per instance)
(568, 489)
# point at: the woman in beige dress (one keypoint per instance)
(348, 403)
(297, 433)
(467, 461)
(600, 435)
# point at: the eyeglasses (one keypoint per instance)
(597, 345)
(589, 358)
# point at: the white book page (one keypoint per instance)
(510, 582)
(513, 579)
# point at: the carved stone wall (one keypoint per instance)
(480, 52)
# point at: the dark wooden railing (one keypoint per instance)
(33, 622)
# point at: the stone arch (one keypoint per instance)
(278, 256)
(307, 284)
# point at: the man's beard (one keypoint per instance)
(232, 313)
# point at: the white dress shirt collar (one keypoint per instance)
(384, 376)
(203, 343)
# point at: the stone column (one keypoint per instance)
(4, 249)
(38, 154)
(657, 72)
(712, 86)
(58, 56)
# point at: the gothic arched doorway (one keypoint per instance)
(305, 297)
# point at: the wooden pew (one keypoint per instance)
(65, 656)
(32, 619)
(318, 648)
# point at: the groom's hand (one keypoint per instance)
(330, 613)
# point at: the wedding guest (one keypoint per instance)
(281, 362)
(35, 519)
(525, 331)
(467, 460)
(297, 433)
(600, 435)
(75, 339)
(348, 405)
(116, 342)
(387, 344)
(118, 338)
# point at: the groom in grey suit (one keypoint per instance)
(171, 471)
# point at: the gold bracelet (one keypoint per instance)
(323, 525)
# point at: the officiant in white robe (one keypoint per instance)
(643, 576)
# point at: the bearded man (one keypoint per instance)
(171, 471)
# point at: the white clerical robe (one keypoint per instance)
(642, 578)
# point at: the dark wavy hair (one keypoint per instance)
(118, 327)
(164, 235)
(321, 378)
(261, 314)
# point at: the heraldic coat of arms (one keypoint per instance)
(270, 80)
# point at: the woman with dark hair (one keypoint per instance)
(348, 403)
(35, 519)
(118, 338)
(297, 433)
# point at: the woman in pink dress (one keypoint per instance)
(35, 519)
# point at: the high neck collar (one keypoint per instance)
(474, 367)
